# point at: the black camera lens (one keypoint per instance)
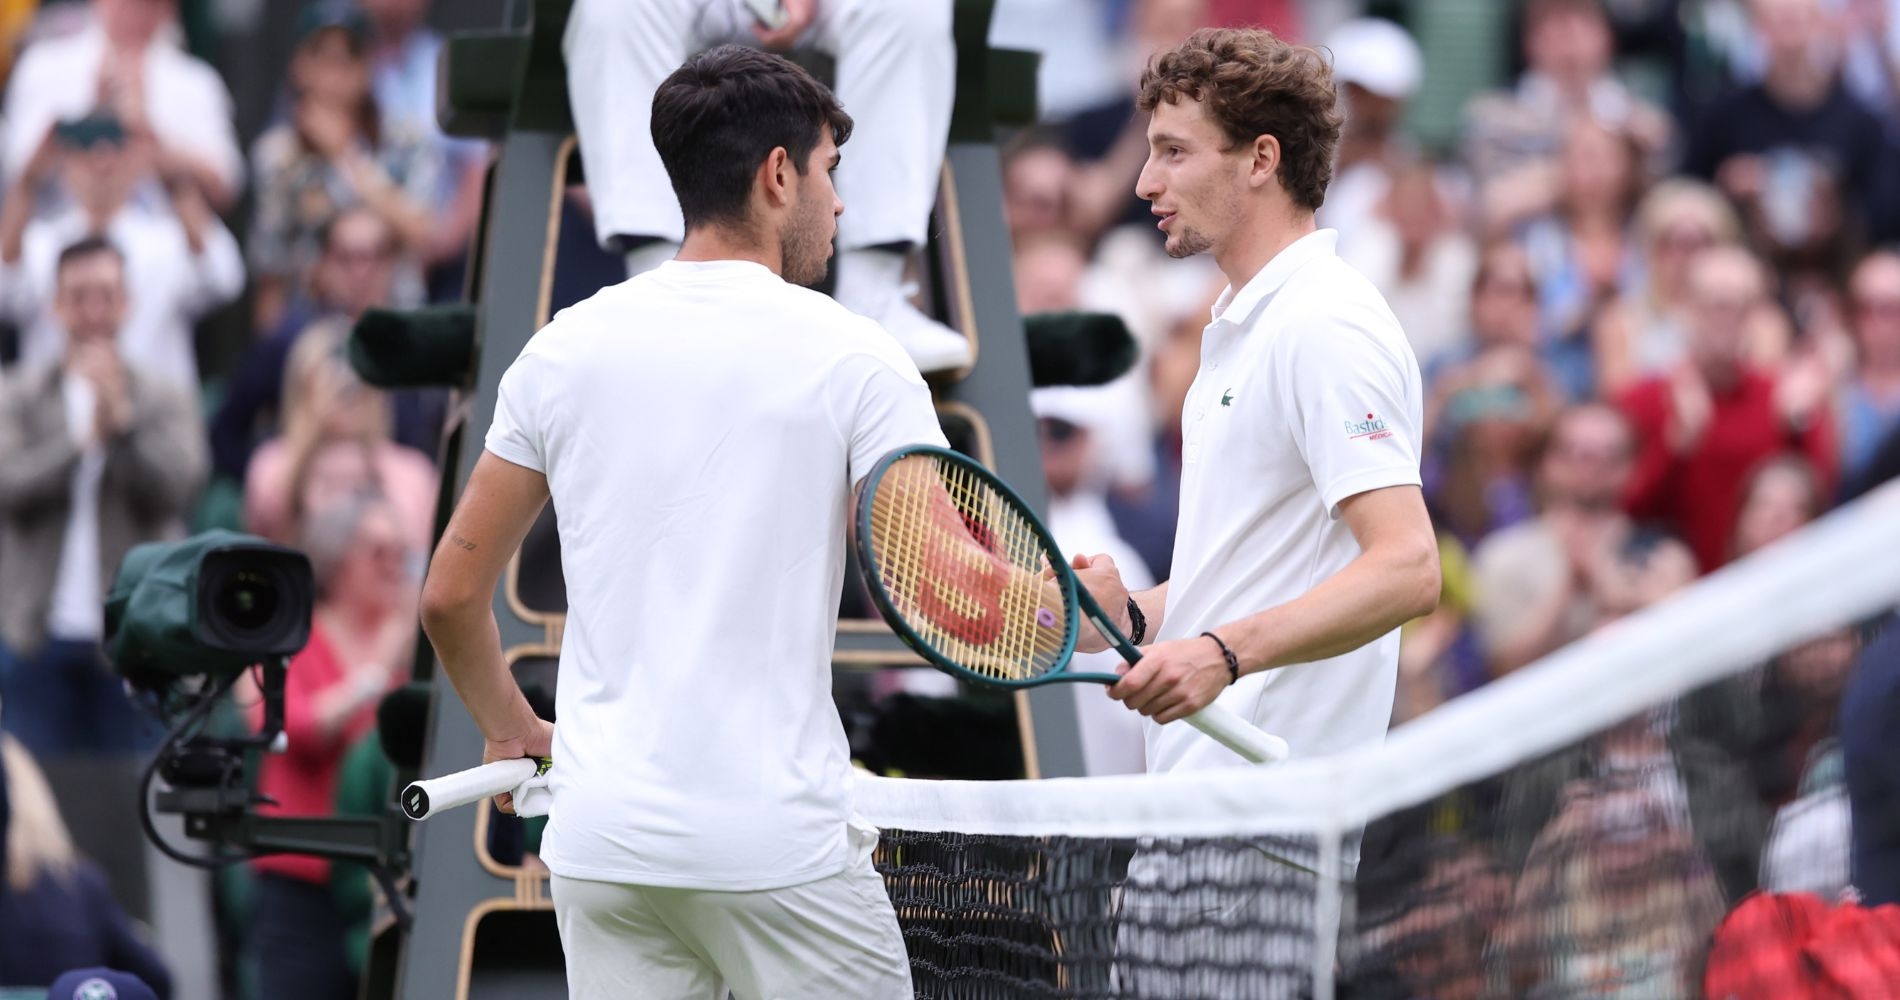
(254, 600)
(247, 600)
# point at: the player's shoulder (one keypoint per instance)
(1336, 307)
(836, 332)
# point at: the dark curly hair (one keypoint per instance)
(1255, 84)
(721, 114)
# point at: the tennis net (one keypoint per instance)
(1580, 828)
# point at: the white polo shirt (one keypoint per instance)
(701, 427)
(1308, 394)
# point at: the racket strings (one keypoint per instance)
(964, 569)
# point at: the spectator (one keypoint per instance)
(1414, 251)
(1569, 48)
(1795, 148)
(1870, 399)
(1377, 68)
(1536, 580)
(1502, 311)
(1575, 230)
(1048, 270)
(1038, 179)
(336, 152)
(354, 273)
(1801, 691)
(1780, 497)
(99, 457)
(404, 53)
(1703, 427)
(1644, 331)
(896, 72)
(326, 403)
(56, 910)
(127, 63)
(1067, 424)
(361, 639)
(1614, 890)
(180, 261)
(1489, 414)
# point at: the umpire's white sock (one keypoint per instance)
(650, 255)
(871, 283)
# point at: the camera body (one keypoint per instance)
(211, 605)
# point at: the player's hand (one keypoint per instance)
(538, 741)
(799, 15)
(1098, 575)
(1174, 679)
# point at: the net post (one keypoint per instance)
(1326, 913)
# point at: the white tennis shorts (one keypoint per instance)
(836, 937)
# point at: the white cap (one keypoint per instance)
(1083, 406)
(1377, 55)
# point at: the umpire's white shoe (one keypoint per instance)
(870, 283)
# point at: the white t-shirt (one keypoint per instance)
(701, 427)
(76, 611)
(1308, 394)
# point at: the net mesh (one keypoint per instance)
(1587, 827)
(963, 568)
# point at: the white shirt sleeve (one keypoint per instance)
(1356, 405)
(215, 275)
(516, 434)
(29, 112)
(888, 408)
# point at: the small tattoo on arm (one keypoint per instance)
(463, 542)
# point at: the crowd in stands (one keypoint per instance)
(135, 219)
(1644, 256)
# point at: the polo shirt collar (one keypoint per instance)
(1239, 306)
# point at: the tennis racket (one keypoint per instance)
(425, 798)
(961, 569)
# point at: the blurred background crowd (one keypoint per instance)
(1643, 249)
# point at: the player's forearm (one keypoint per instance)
(467, 640)
(1374, 594)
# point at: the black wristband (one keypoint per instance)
(1233, 662)
(1137, 623)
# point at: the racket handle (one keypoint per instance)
(425, 798)
(1239, 735)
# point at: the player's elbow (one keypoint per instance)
(446, 599)
(1419, 577)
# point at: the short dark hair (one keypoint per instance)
(90, 246)
(720, 115)
(1253, 84)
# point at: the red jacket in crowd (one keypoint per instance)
(1699, 494)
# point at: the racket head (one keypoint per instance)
(983, 611)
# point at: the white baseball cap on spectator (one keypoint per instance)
(1378, 55)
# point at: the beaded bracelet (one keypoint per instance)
(1137, 623)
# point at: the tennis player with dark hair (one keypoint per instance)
(1303, 540)
(699, 428)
